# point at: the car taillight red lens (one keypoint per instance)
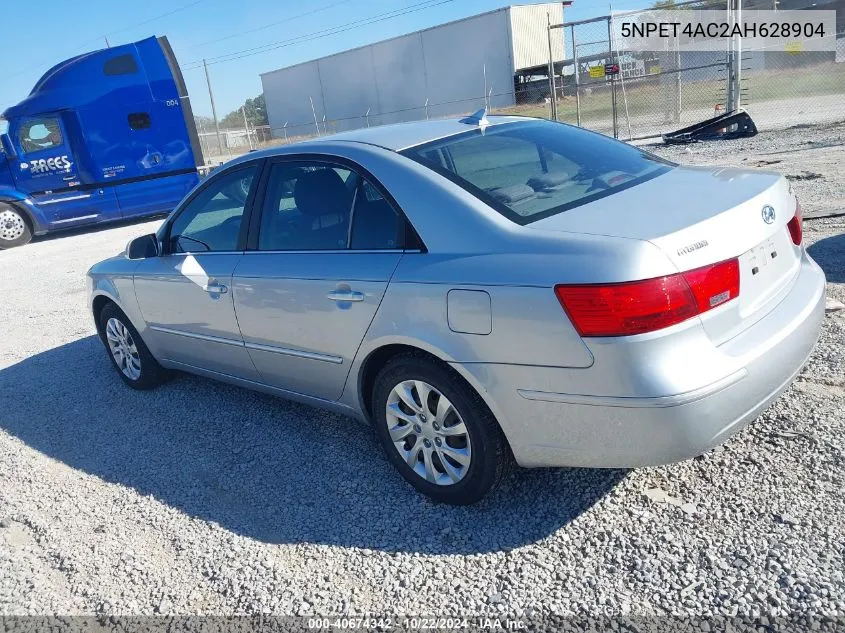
(636, 307)
(796, 230)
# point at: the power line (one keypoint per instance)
(271, 25)
(158, 17)
(249, 52)
(105, 35)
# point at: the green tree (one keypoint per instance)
(203, 123)
(255, 110)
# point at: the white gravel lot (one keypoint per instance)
(201, 498)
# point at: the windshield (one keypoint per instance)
(533, 169)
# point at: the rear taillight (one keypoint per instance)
(796, 231)
(636, 307)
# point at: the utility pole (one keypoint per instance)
(246, 125)
(213, 109)
(106, 37)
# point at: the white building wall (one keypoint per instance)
(287, 93)
(457, 58)
(399, 68)
(529, 23)
(445, 65)
(348, 88)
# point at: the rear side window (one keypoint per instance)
(319, 206)
(120, 65)
(534, 169)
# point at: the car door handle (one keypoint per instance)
(346, 295)
(216, 289)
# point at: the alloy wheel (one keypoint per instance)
(123, 349)
(428, 432)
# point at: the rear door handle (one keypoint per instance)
(216, 289)
(346, 295)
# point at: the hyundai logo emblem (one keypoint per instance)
(768, 214)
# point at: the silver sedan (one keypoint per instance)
(483, 291)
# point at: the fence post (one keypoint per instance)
(577, 78)
(552, 88)
(734, 11)
(612, 78)
(246, 127)
(314, 112)
(738, 57)
(621, 79)
(484, 72)
(678, 101)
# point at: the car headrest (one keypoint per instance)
(321, 192)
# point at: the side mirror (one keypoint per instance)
(8, 147)
(142, 247)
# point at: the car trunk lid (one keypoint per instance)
(698, 216)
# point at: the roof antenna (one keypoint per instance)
(477, 118)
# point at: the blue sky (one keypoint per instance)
(38, 35)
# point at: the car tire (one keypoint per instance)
(422, 441)
(127, 351)
(15, 229)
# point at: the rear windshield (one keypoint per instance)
(533, 169)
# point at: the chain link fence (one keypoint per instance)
(625, 94)
(656, 92)
(782, 89)
(632, 95)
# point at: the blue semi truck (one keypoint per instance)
(102, 137)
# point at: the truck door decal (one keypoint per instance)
(51, 165)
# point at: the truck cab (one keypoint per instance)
(103, 137)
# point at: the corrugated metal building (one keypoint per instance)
(450, 67)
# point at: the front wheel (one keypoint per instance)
(14, 227)
(437, 431)
(127, 351)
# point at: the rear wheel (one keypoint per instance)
(437, 431)
(14, 227)
(127, 351)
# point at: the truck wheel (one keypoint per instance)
(14, 227)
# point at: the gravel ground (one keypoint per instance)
(201, 498)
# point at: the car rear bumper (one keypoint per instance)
(653, 403)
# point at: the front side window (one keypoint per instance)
(40, 134)
(312, 206)
(534, 169)
(212, 220)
